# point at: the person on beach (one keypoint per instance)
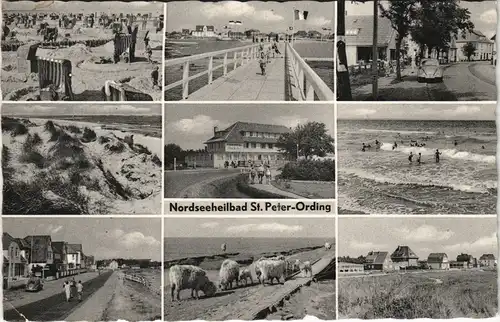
(437, 154)
(395, 146)
(410, 157)
(149, 53)
(67, 290)
(154, 76)
(79, 290)
(419, 158)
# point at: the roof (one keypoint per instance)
(234, 133)
(74, 248)
(436, 257)
(359, 30)
(58, 247)
(464, 258)
(473, 36)
(487, 257)
(200, 28)
(404, 252)
(7, 240)
(39, 247)
(23, 244)
(494, 37)
(376, 257)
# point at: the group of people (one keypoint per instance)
(259, 172)
(413, 143)
(70, 287)
(437, 157)
(265, 56)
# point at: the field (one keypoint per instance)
(67, 167)
(437, 295)
(317, 299)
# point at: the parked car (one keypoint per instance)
(430, 70)
(34, 285)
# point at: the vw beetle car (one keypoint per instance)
(34, 285)
(429, 71)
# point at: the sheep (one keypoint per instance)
(189, 277)
(305, 268)
(245, 275)
(257, 269)
(328, 246)
(229, 273)
(271, 269)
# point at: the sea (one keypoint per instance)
(177, 248)
(384, 182)
(325, 70)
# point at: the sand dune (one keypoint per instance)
(64, 167)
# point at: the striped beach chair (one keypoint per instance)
(56, 73)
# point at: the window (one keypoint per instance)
(270, 145)
(247, 145)
(254, 145)
(251, 133)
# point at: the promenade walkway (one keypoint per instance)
(247, 84)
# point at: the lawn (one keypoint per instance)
(438, 295)
(308, 189)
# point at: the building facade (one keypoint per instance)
(438, 261)
(483, 45)
(350, 268)
(14, 264)
(458, 265)
(378, 261)
(359, 39)
(487, 260)
(241, 144)
(74, 256)
(204, 31)
(403, 257)
(59, 249)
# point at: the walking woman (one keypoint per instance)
(67, 290)
(263, 63)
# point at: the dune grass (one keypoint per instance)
(437, 295)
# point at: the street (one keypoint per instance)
(473, 81)
(50, 303)
(176, 182)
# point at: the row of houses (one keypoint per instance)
(359, 43)
(405, 258)
(39, 255)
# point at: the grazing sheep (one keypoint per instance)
(271, 269)
(229, 273)
(189, 277)
(257, 269)
(328, 246)
(245, 275)
(305, 268)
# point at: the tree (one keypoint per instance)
(173, 151)
(401, 14)
(469, 50)
(310, 138)
(436, 22)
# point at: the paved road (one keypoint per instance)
(471, 81)
(176, 182)
(54, 306)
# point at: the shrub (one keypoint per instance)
(88, 135)
(118, 147)
(31, 142)
(33, 157)
(66, 146)
(13, 125)
(19, 129)
(314, 170)
(103, 139)
(73, 129)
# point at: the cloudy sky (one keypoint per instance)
(103, 238)
(191, 125)
(483, 14)
(475, 236)
(80, 109)
(416, 111)
(250, 227)
(93, 6)
(264, 16)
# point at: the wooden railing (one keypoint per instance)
(304, 79)
(240, 57)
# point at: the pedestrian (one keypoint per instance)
(419, 158)
(154, 76)
(67, 290)
(263, 62)
(79, 289)
(437, 155)
(410, 157)
(149, 53)
(268, 175)
(253, 174)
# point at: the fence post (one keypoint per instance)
(235, 58)
(309, 91)
(210, 67)
(185, 80)
(225, 64)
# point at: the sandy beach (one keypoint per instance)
(67, 167)
(88, 76)
(229, 304)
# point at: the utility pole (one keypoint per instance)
(343, 82)
(375, 51)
